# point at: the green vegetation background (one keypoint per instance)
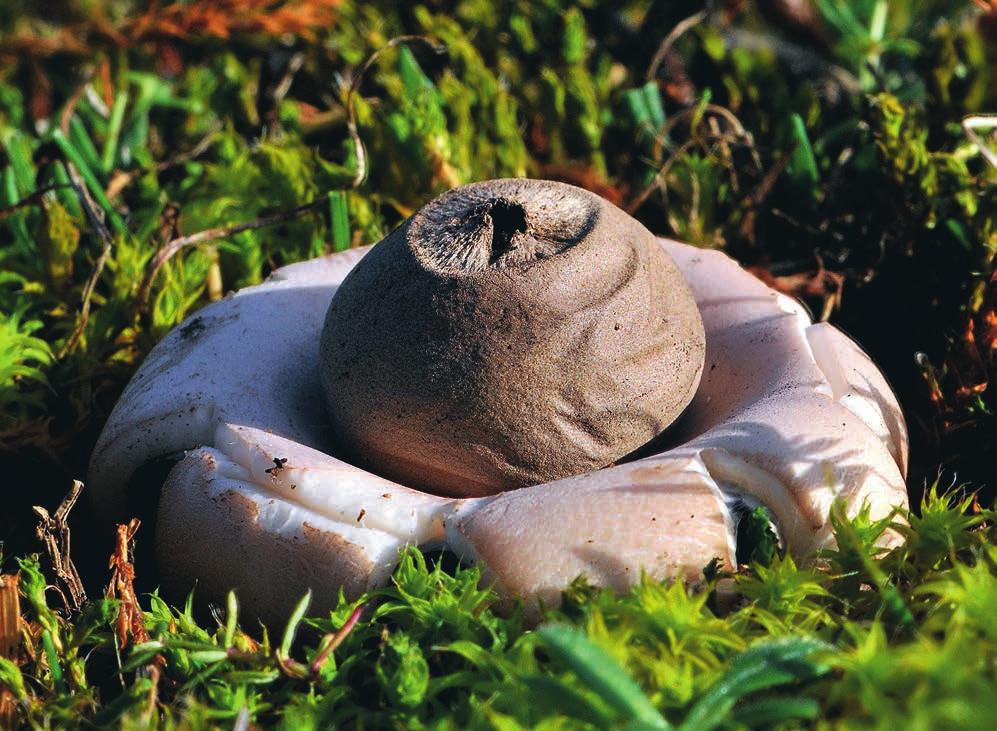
(821, 142)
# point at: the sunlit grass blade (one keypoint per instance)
(877, 23)
(231, 619)
(292, 667)
(54, 665)
(339, 220)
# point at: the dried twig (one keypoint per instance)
(242, 720)
(31, 200)
(351, 118)
(53, 533)
(737, 135)
(981, 121)
(284, 85)
(754, 201)
(334, 639)
(122, 586)
(122, 179)
(70, 109)
(171, 248)
(659, 181)
(10, 615)
(90, 208)
(823, 283)
(677, 32)
(129, 626)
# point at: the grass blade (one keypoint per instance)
(769, 712)
(9, 196)
(655, 107)
(877, 24)
(567, 700)
(93, 184)
(602, 674)
(803, 164)
(12, 679)
(114, 132)
(65, 194)
(231, 620)
(339, 220)
(292, 624)
(83, 143)
(764, 666)
(54, 666)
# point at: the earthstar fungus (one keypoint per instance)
(510, 333)
(787, 414)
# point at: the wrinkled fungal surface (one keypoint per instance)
(510, 333)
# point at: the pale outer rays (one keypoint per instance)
(789, 413)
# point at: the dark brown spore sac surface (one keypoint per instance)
(510, 333)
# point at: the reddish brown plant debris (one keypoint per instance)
(586, 178)
(10, 640)
(54, 535)
(180, 22)
(822, 284)
(129, 628)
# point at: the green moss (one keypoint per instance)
(781, 644)
(836, 140)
